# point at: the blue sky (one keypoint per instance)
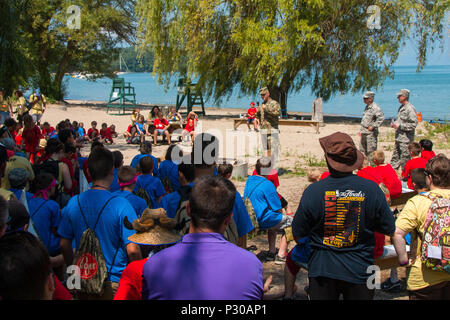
(408, 55)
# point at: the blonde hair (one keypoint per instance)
(378, 156)
(314, 175)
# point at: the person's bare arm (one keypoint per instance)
(133, 252)
(66, 250)
(67, 179)
(399, 242)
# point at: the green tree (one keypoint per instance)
(57, 44)
(13, 60)
(284, 44)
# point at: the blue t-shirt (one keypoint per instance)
(81, 132)
(110, 229)
(301, 252)
(45, 215)
(115, 183)
(265, 201)
(152, 185)
(18, 194)
(170, 202)
(169, 169)
(140, 126)
(138, 203)
(136, 159)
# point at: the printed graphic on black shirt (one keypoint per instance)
(342, 217)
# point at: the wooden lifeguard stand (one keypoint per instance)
(123, 93)
(193, 95)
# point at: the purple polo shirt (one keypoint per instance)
(203, 266)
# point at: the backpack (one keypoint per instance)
(251, 211)
(167, 183)
(89, 258)
(183, 220)
(142, 193)
(435, 250)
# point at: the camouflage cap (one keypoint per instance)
(263, 90)
(369, 94)
(403, 92)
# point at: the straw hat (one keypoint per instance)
(154, 228)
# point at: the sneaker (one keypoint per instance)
(388, 285)
(280, 260)
(270, 256)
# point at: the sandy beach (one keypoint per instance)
(299, 152)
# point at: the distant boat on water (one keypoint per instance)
(120, 72)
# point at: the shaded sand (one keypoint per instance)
(300, 152)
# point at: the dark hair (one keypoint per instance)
(118, 158)
(225, 169)
(46, 124)
(53, 146)
(10, 122)
(64, 135)
(211, 201)
(19, 93)
(61, 126)
(146, 165)
(264, 162)
(153, 111)
(24, 267)
(96, 144)
(208, 143)
(414, 148)
(43, 180)
(93, 123)
(104, 124)
(418, 178)
(426, 144)
(187, 170)
(100, 163)
(19, 215)
(439, 168)
(69, 147)
(3, 155)
(173, 148)
(126, 173)
(3, 211)
(145, 147)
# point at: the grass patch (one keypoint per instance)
(312, 161)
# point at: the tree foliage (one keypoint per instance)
(286, 45)
(134, 61)
(55, 45)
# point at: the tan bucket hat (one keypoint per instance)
(154, 228)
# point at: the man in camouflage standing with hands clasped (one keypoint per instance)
(405, 127)
(371, 120)
(268, 115)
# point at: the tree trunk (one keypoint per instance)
(280, 95)
(62, 68)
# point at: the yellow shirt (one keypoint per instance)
(38, 107)
(412, 218)
(6, 194)
(21, 105)
(16, 162)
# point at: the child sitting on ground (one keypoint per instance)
(427, 149)
(112, 130)
(93, 132)
(105, 134)
(127, 181)
(388, 174)
(154, 189)
(419, 182)
(415, 162)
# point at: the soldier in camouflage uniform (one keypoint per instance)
(405, 126)
(371, 120)
(268, 115)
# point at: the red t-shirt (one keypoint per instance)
(251, 112)
(373, 174)
(31, 138)
(106, 134)
(412, 164)
(130, 283)
(427, 155)
(48, 131)
(324, 175)
(190, 125)
(60, 293)
(391, 180)
(160, 123)
(86, 171)
(90, 131)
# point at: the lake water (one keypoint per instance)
(430, 94)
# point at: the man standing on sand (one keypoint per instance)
(37, 105)
(371, 120)
(405, 127)
(268, 115)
